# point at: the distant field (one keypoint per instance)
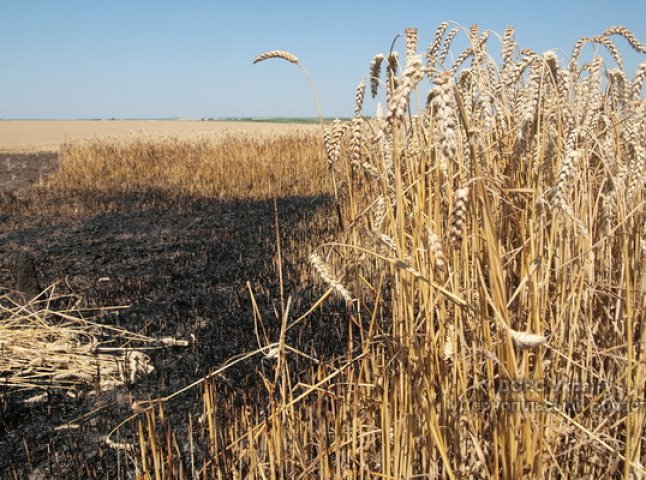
(47, 135)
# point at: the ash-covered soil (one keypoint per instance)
(19, 170)
(182, 267)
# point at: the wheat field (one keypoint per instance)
(49, 135)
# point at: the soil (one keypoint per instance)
(181, 265)
(19, 170)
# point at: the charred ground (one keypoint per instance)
(181, 265)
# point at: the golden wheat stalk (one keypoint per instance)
(290, 57)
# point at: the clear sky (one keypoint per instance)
(193, 59)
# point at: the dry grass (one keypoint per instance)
(223, 167)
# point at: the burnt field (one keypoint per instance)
(20, 170)
(459, 290)
(181, 266)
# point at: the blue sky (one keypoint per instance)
(193, 59)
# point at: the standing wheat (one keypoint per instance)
(409, 80)
(628, 35)
(434, 47)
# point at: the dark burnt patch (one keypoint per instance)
(182, 266)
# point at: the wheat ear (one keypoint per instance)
(290, 57)
(277, 54)
(326, 275)
(460, 200)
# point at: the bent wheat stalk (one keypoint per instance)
(290, 57)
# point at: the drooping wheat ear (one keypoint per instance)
(388, 241)
(447, 45)
(370, 169)
(640, 118)
(391, 75)
(290, 57)
(277, 54)
(628, 35)
(466, 90)
(393, 62)
(435, 247)
(411, 43)
(563, 84)
(434, 47)
(461, 59)
(493, 74)
(332, 141)
(576, 51)
(379, 213)
(460, 201)
(607, 143)
(638, 81)
(338, 128)
(326, 275)
(444, 106)
(465, 81)
(486, 112)
(359, 97)
(629, 135)
(592, 95)
(327, 145)
(508, 47)
(375, 74)
(556, 195)
(566, 173)
(612, 49)
(356, 140)
(618, 90)
(515, 71)
(529, 100)
(594, 67)
(410, 78)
